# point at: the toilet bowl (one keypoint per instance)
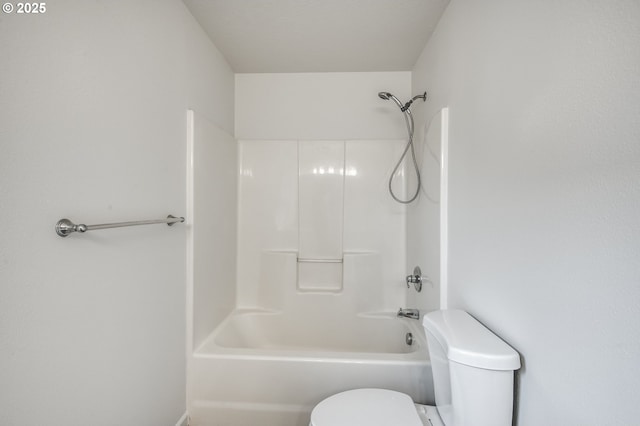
(373, 407)
(473, 383)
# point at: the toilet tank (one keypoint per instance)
(473, 370)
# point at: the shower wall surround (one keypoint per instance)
(316, 224)
(325, 203)
(212, 155)
(321, 171)
(427, 217)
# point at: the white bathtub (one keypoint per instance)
(270, 368)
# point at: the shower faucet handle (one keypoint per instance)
(415, 279)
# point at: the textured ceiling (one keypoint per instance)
(318, 35)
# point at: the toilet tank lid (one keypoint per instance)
(468, 342)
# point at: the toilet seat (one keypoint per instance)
(366, 407)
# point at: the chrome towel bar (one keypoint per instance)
(65, 227)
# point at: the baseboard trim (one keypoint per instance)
(184, 420)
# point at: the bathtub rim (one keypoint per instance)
(210, 349)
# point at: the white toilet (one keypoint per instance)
(472, 375)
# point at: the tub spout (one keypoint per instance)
(409, 313)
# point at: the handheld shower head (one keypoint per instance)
(386, 96)
(408, 118)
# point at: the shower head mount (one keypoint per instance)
(386, 96)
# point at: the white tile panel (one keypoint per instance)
(268, 208)
(321, 194)
(373, 221)
(213, 177)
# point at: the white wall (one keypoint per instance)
(320, 106)
(93, 100)
(544, 194)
